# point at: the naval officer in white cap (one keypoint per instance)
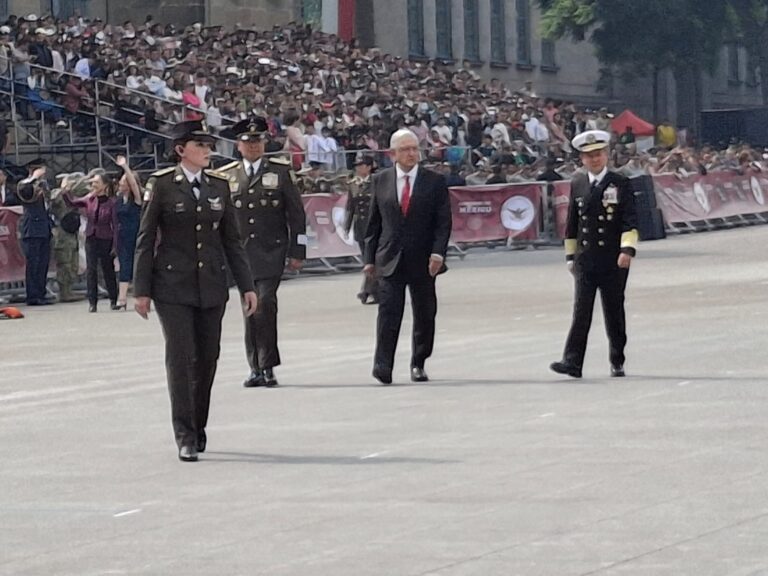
(600, 242)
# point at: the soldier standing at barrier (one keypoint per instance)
(273, 226)
(189, 208)
(600, 242)
(36, 226)
(358, 206)
(65, 241)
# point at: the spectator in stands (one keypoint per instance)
(666, 135)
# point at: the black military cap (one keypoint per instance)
(36, 163)
(254, 128)
(192, 130)
(367, 160)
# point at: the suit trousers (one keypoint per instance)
(391, 307)
(37, 252)
(98, 253)
(611, 283)
(261, 328)
(192, 343)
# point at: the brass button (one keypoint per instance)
(251, 205)
(253, 235)
(583, 217)
(601, 217)
(585, 230)
(601, 243)
(199, 208)
(251, 221)
(199, 227)
(610, 218)
(199, 245)
(600, 230)
(584, 243)
(169, 267)
(250, 191)
(199, 264)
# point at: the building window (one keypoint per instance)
(734, 74)
(312, 13)
(444, 29)
(548, 55)
(471, 31)
(498, 32)
(751, 80)
(416, 27)
(524, 32)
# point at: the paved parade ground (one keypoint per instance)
(495, 467)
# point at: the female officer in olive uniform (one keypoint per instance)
(358, 207)
(185, 275)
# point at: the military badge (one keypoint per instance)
(270, 180)
(234, 187)
(179, 208)
(238, 204)
(611, 195)
(263, 201)
(275, 203)
(215, 203)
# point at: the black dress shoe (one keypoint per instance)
(617, 371)
(92, 308)
(566, 368)
(255, 380)
(383, 376)
(202, 441)
(269, 378)
(363, 297)
(188, 454)
(42, 302)
(418, 375)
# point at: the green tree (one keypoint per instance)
(641, 38)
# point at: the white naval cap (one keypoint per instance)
(591, 140)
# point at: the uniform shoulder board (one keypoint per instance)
(163, 172)
(280, 161)
(217, 174)
(229, 166)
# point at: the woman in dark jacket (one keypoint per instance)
(100, 237)
(128, 205)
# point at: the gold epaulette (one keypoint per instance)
(163, 172)
(217, 174)
(280, 160)
(229, 166)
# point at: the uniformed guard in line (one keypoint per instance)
(65, 240)
(600, 242)
(191, 209)
(36, 227)
(273, 226)
(358, 206)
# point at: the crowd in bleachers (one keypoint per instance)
(326, 101)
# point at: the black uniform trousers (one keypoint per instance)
(192, 344)
(611, 282)
(261, 328)
(391, 307)
(37, 252)
(98, 252)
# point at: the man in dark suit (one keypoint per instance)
(405, 244)
(601, 240)
(36, 226)
(273, 226)
(191, 211)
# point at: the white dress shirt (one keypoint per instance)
(598, 178)
(191, 177)
(401, 174)
(247, 165)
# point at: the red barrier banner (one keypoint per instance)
(12, 262)
(498, 212)
(716, 195)
(561, 198)
(325, 227)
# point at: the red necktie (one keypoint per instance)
(406, 199)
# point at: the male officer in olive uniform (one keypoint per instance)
(273, 226)
(36, 226)
(65, 243)
(189, 208)
(600, 242)
(358, 207)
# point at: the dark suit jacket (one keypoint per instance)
(600, 227)
(392, 239)
(197, 240)
(36, 220)
(271, 215)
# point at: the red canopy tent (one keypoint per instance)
(628, 118)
